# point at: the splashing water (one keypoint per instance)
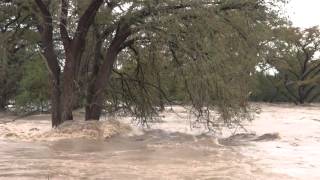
(169, 150)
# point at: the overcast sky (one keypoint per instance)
(304, 13)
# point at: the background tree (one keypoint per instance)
(268, 88)
(295, 57)
(33, 93)
(16, 40)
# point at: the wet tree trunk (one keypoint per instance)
(2, 104)
(63, 87)
(302, 94)
(55, 102)
(68, 88)
(93, 109)
(96, 90)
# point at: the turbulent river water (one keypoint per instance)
(170, 150)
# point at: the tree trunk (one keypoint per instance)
(96, 90)
(93, 109)
(63, 92)
(55, 102)
(95, 98)
(2, 104)
(301, 94)
(68, 92)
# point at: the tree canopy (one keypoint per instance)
(295, 59)
(137, 56)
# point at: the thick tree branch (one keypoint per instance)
(85, 22)
(63, 24)
(46, 31)
(110, 58)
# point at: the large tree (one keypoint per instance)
(209, 45)
(63, 81)
(295, 59)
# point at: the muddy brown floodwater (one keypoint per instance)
(289, 148)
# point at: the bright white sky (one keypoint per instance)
(304, 13)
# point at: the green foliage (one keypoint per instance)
(197, 53)
(14, 38)
(10, 70)
(200, 57)
(10, 74)
(33, 88)
(294, 54)
(267, 88)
